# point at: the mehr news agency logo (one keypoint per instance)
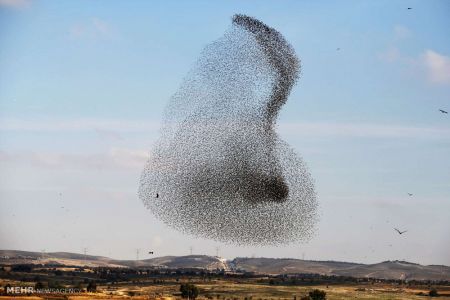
(32, 290)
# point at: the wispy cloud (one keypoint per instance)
(94, 28)
(391, 54)
(17, 4)
(402, 32)
(437, 67)
(364, 130)
(101, 27)
(116, 128)
(431, 66)
(83, 124)
(115, 158)
(108, 134)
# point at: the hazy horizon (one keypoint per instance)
(208, 255)
(83, 86)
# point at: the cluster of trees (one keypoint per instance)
(91, 287)
(315, 295)
(39, 285)
(433, 293)
(189, 291)
(22, 268)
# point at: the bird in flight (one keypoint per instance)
(409, 7)
(443, 111)
(337, 49)
(157, 195)
(150, 252)
(409, 194)
(400, 232)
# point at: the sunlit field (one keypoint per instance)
(226, 289)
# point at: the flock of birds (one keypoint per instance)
(400, 232)
(219, 170)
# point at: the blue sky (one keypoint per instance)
(83, 85)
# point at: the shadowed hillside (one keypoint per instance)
(384, 270)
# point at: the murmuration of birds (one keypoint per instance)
(219, 169)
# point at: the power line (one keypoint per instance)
(85, 252)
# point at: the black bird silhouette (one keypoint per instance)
(409, 194)
(157, 195)
(409, 7)
(443, 111)
(400, 232)
(150, 252)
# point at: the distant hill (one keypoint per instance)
(383, 270)
(290, 265)
(13, 257)
(180, 262)
(270, 266)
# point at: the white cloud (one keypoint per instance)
(437, 67)
(430, 65)
(18, 4)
